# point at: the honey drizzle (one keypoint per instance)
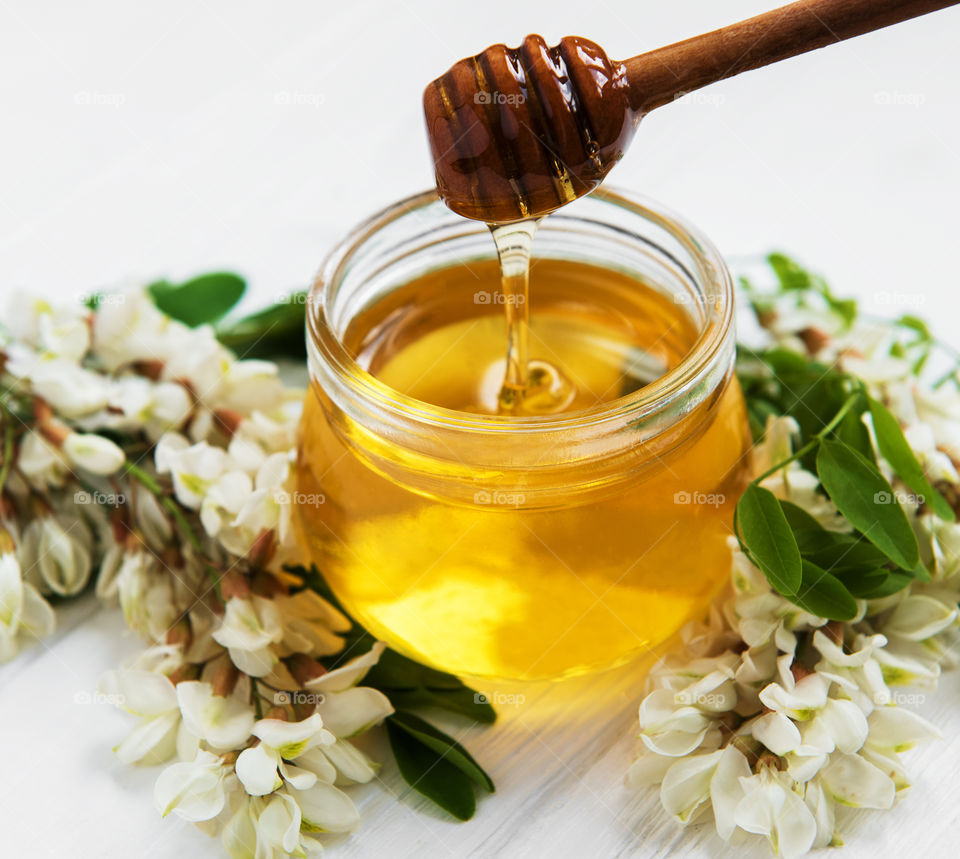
(514, 241)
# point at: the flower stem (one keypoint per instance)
(810, 445)
(172, 507)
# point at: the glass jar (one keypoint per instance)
(523, 547)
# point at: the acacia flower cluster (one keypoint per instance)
(140, 453)
(772, 720)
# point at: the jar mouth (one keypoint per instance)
(710, 352)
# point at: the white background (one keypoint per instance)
(139, 140)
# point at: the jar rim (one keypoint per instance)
(700, 358)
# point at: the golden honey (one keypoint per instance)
(532, 546)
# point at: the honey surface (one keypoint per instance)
(504, 587)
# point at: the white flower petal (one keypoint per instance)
(852, 781)
(192, 790)
(893, 729)
(291, 739)
(686, 785)
(349, 674)
(257, 770)
(354, 710)
(777, 732)
(726, 789)
(352, 764)
(326, 809)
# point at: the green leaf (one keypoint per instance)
(823, 594)
(863, 495)
(200, 300)
(845, 552)
(853, 432)
(768, 538)
(443, 745)
(875, 584)
(275, 331)
(430, 774)
(789, 273)
(897, 451)
(409, 684)
(798, 518)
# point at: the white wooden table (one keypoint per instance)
(162, 139)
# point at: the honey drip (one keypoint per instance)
(529, 387)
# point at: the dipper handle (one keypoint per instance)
(518, 132)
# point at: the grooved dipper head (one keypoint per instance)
(518, 132)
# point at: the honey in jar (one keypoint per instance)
(561, 537)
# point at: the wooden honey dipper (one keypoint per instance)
(518, 132)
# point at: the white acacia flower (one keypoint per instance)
(194, 468)
(893, 730)
(824, 814)
(224, 499)
(40, 462)
(24, 313)
(264, 767)
(249, 629)
(194, 355)
(908, 663)
(152, 520)
(310, 623)
(223, 722)
(266, 508)
(72, 391)
(153, 699)
(936, 464)
(940, 410)
(93, 453)
(939, 545)
(128, 328)
(281, 824)
(60, 336)
(193, 790)
(53, 558)
(668, 729)
(853, 781)
(770, 807)
(798, 699)
(146, 595)
(250, 385)
(919, 616)
(713, 777)
(23, 612)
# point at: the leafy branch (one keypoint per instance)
(822, 571)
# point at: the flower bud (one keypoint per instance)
(93, 453)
